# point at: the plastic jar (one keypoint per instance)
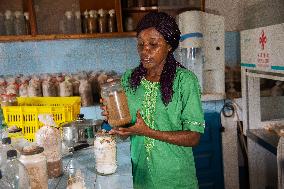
(50, 139)
(105, 153)
(117, 105)
(4, 100)
(35, 162)
(12, 99)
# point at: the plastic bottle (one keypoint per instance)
(19, 23)
(8, 23)
(15, 172)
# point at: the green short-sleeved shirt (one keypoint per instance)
(157, 164)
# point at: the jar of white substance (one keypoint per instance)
(35, 162)
(105, 154)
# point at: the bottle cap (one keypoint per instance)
(11, 153)
(8, 14)
(6, 140)
(78, 14)
(26, 14)
(68, 14)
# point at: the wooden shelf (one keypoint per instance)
(141, 9)
(65, 36)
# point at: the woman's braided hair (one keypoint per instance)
(168, 28)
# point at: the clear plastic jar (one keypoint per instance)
(35, 162)
(117, 105)
(50, 139)
(105, 153)
(85, 22)
(85, 90)
(12, 99)
(27, 23)
(69, 22)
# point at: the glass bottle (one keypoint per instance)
(69, 22)
(15, 172)
(117, 105)
(3, 182)
(105, 153)
(27, 23)
(78, 28)
(102, 21)
(92, 21)
(111, 21)
(85, 22)
(19, 23)
(35, 162)
(129, 24)
(8, 23)
(2, 27)
(6, 146)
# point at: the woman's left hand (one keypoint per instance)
(140, 128)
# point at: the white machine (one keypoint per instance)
(262, 53)
(202, 50)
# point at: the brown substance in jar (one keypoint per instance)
(54, 169)
(118, 110)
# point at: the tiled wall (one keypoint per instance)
(68, 56)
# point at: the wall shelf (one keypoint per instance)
(65, 36)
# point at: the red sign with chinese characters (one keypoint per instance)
(263, 55)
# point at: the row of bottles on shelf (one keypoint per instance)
(150, 3)
(92, 21)
(141, 3)
(14, 23)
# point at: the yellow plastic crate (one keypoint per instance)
(25, 115)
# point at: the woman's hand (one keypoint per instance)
(140, 128)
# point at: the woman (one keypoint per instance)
(164, 102)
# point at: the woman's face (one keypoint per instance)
(152, 48)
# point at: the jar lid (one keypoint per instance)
(6, 140)
(12, 153)
(32, 150)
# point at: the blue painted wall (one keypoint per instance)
(89, 54)
(68, 56)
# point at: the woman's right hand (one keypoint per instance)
(103, 107)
